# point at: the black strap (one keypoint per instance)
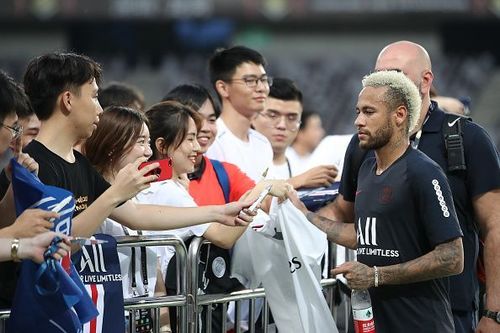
(144, 268)
(289, 168)
(453, 139)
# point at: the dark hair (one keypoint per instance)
(224, 62)
(170, 120)
(192, 95)
(49, 75)
(118, 130)
(285, 90)
(13, 99)
(121, 94)
(306, 115)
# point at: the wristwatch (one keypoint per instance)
(495, 315)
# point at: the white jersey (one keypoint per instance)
(300, 163)
(252, 157)
(331, 150)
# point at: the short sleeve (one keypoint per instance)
(239, 182)
(101, 184)
(349, 180)
(483, 168)
(435, 203)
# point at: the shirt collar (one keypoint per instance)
(198, 173)
(434, 123)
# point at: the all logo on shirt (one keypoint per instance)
(367, 240)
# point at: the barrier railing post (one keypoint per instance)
(192, 278)
(181, 299)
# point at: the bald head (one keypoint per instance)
(414, 61)
(410, 58)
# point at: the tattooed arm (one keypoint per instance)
(446, 259)
(337, 232)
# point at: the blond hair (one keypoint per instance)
(400, 91)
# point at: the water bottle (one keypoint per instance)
(362, 311)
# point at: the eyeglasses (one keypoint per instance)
(15, 130)
(292, 120)
(252, 82)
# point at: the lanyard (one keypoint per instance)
(144, 268)
(289, 168)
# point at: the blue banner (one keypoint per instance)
(99, 269)
(49, 297)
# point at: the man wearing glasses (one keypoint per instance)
(239, 77)
(279, 123)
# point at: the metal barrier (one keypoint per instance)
(200, 301)
(187, 300)
(181, 299)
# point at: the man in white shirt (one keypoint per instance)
(238, 75)
(331, 150)
(308, 137)
(279, 123)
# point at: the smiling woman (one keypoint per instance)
(173, 134)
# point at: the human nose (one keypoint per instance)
(196, 146)
(282, 124)
(205, 127)
(148, 152)
(99, 109)
(358, 122)
(261, 85)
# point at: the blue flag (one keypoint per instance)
(99, 269)
(49, 297)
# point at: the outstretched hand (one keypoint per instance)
(33, 222)
(35, 247)
(358, 275)
(322, 175)
(236, 214)
(294, 199)
(279, 189)
(130, 180)
(24, 159)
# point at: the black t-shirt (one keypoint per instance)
(401, 215)
(482, 175)
(79, 177)
(4, 183)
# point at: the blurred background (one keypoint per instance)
(326, 46)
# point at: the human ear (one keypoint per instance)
(66, 99)
(221, 88)
(401, 115)
(427, 78)
(160, 148)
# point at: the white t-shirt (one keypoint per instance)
(252, 157)
(282, 171)
(170, 193)
(331, 150)
(299, 163)
(114, 228)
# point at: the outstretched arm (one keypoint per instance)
(446, 259)
(337, 232)
(488, 217)
(322, 175)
